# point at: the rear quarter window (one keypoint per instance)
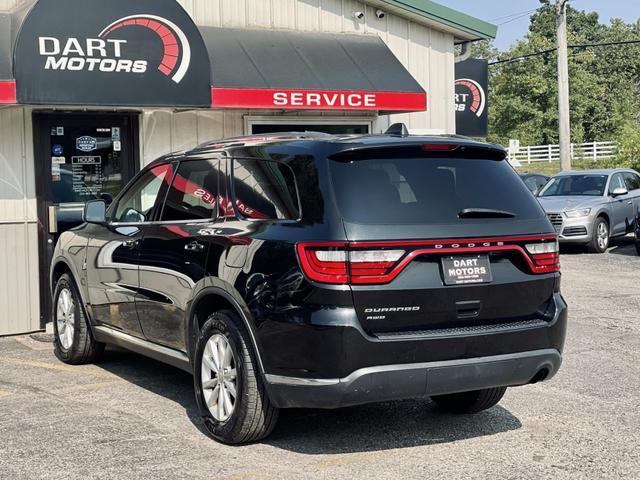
(396, 191)
(265, 190)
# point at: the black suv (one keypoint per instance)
(308, 270)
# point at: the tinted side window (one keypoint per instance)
(632, 181)
(137, 204)
(541, 181)
(531, 183)
(194, 192)
(265, 190)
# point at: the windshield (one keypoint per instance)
(418, 191)
(585, 185)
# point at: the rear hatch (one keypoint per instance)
(439, 237)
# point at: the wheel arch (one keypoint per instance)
(604, 214)
(211, 299)
(61, 265)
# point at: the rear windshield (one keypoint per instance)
(403, 191)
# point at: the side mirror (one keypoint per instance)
(95, 211)
(619, 191)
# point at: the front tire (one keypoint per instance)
(600, 237)
(470, 402)
(229, 390)
(73, 342)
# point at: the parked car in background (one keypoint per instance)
(318, 271)
(590, 207)
(534, 181)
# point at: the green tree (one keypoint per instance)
(604, 81)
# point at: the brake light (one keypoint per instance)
(335, 263)
(438, 147)
(545, 256)
(361, 263)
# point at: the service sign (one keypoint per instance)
(472, 80)
(116, 52)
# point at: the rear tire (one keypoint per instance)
(73, 341)
(601, 236)
(470, 402)
(231, 378)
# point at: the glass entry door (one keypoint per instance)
(78, 157)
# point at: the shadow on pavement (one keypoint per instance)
(624, 246)
(383, 426)
(156, 377)
(619, 246)
(366, 428)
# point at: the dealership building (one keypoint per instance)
(93, 90)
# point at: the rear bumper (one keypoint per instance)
(339, 366)
(395, 382)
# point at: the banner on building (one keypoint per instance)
(472, 81)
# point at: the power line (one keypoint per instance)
(526, 14)
(512, 15)
(578, 46)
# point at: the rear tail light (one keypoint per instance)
(545, 256)
(380, 262)
(336, 263)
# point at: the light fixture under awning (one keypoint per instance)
(266, 69)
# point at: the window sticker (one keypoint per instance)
(87, 175)
(55, 172)
(87, 144)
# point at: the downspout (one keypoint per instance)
(465, 52)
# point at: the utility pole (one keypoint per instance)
(564, 119)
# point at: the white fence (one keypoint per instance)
(551, 153)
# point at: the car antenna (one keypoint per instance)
(399, 129)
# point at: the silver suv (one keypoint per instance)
(590, 206)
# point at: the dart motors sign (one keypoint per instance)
(120, 52)
(471, 90)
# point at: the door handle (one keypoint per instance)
(630, 202)
(194, 247)
(130, 244)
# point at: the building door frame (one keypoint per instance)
(251, 120)
(43, 121)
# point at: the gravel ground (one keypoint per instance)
(130, 417)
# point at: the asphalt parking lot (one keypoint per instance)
(130, 417)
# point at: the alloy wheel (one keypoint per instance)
(603, 235)
(65, 318)
(219, 377)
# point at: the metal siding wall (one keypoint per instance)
(163, 131)
(427, 53)
(19, 289)
(8, 4)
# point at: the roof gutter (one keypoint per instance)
(476, 29)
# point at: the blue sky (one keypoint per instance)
(494, 11)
